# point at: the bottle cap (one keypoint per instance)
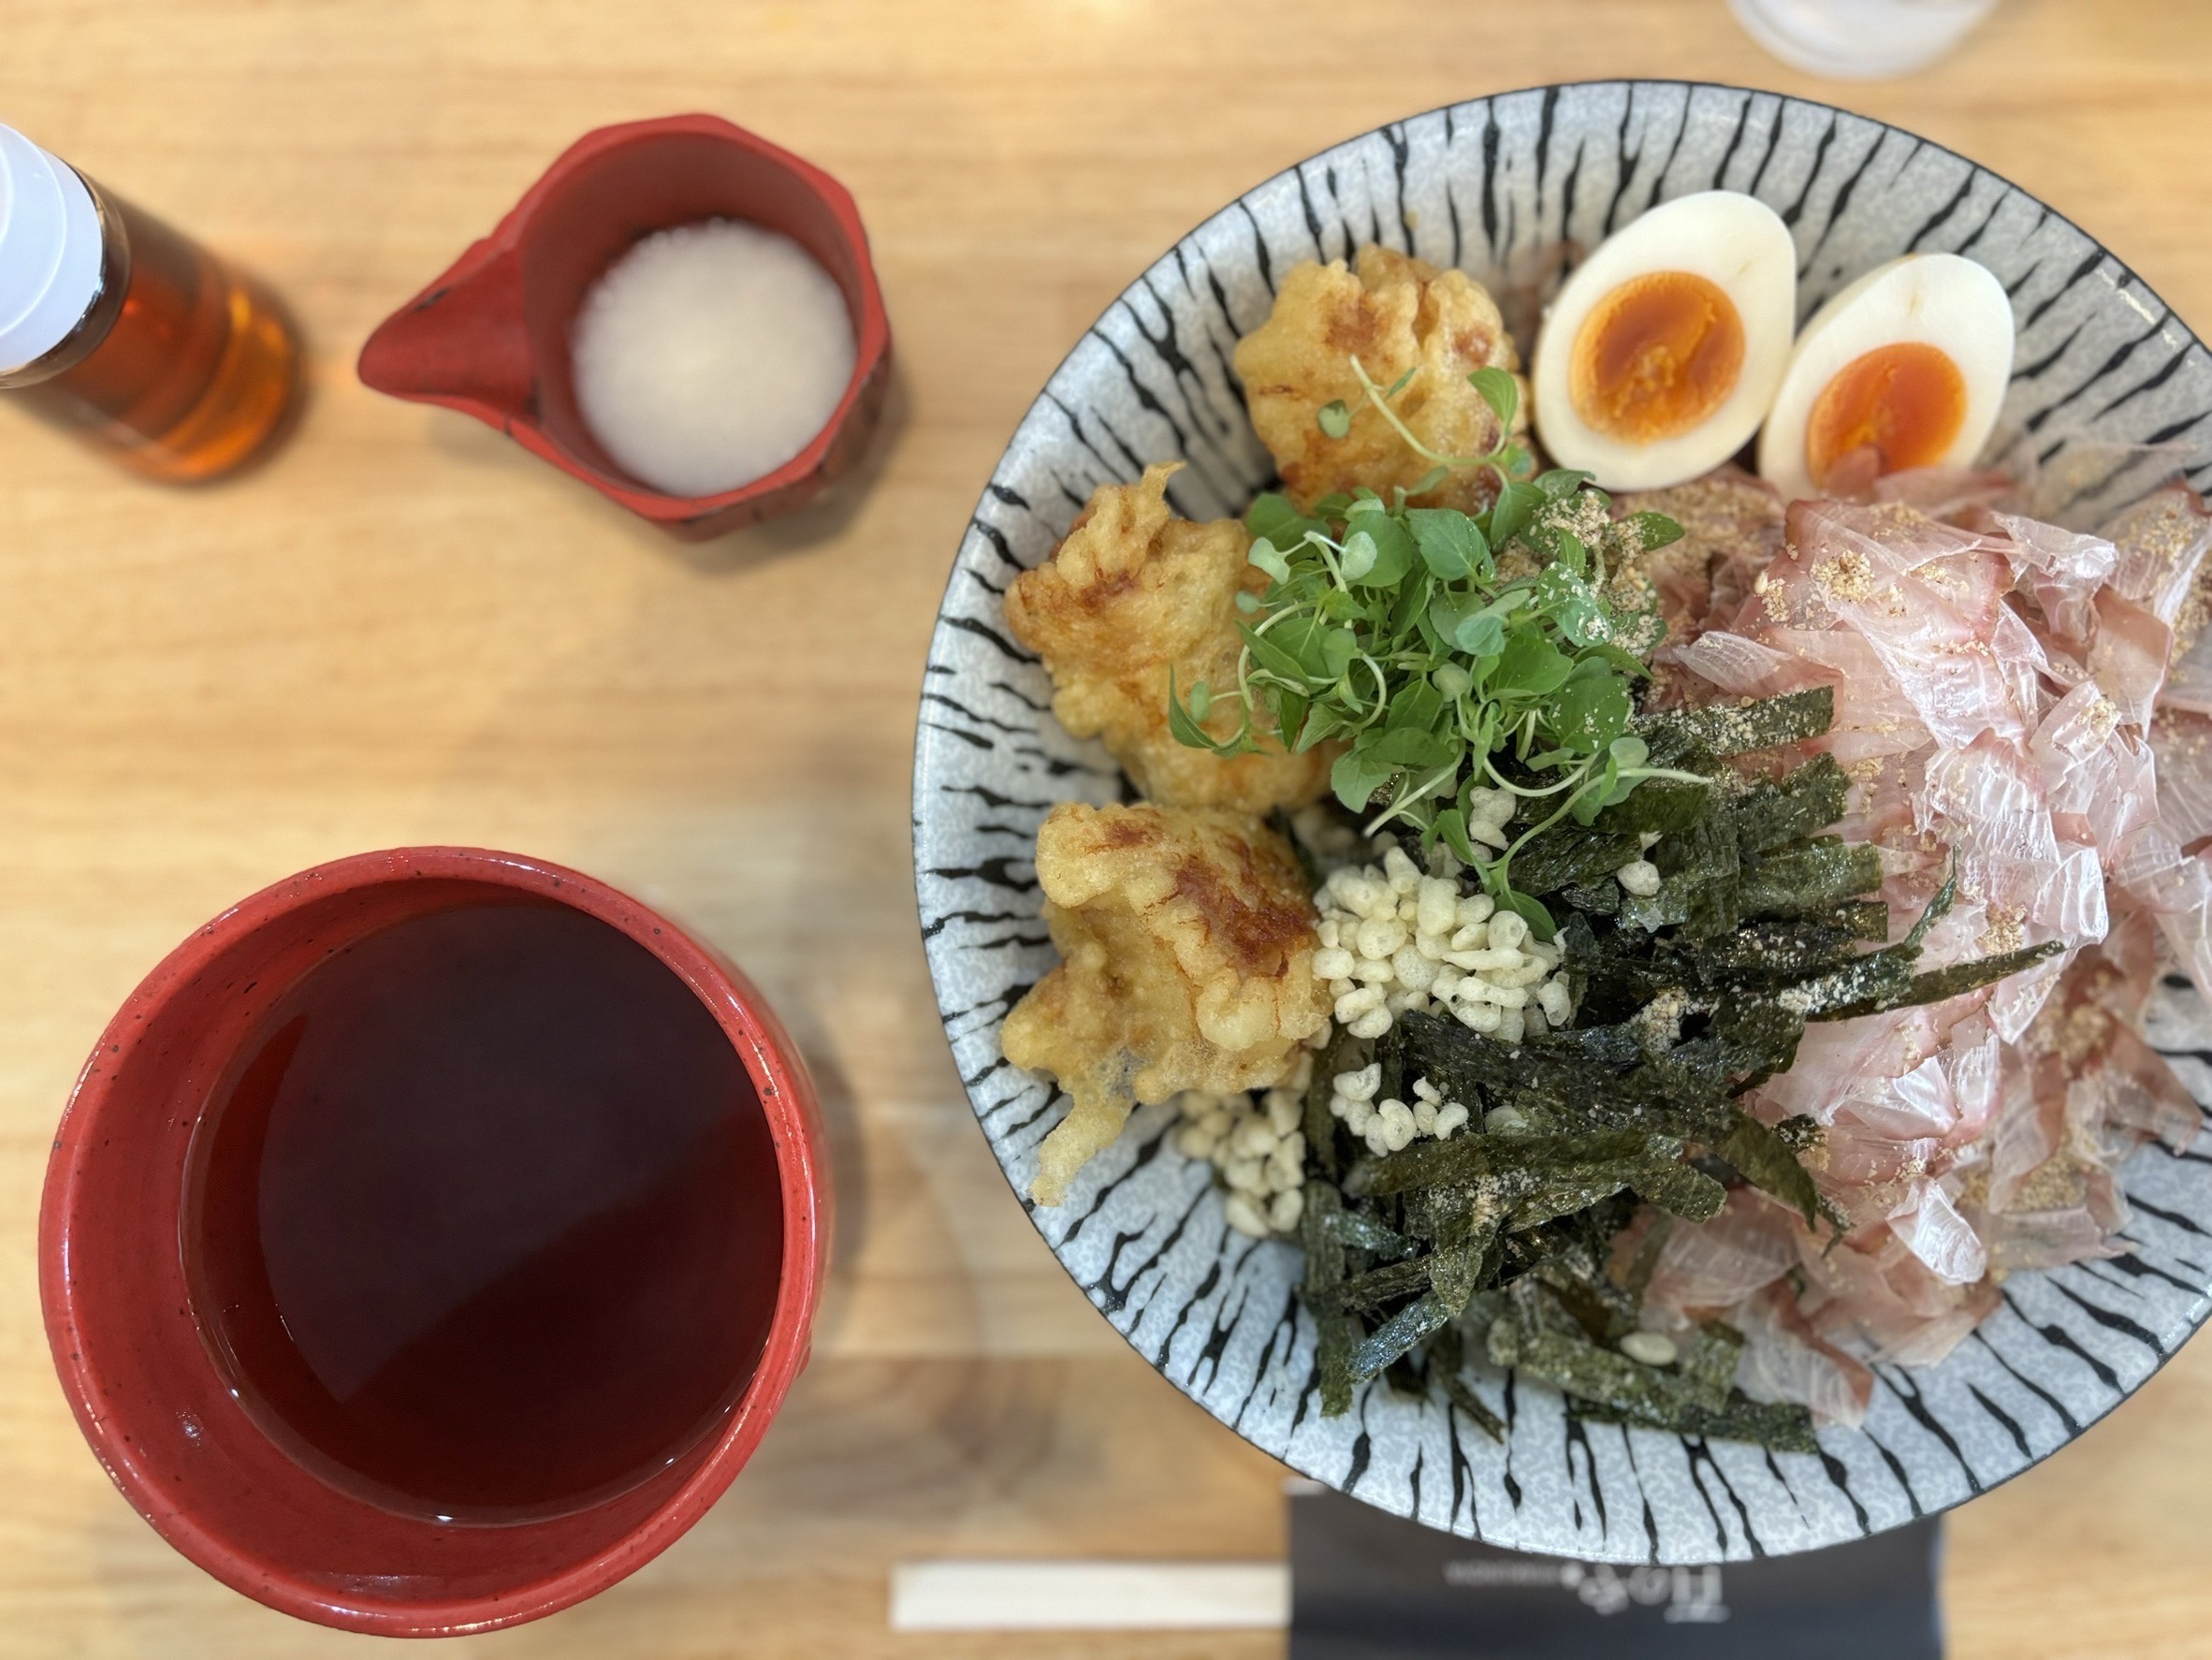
(50, 251)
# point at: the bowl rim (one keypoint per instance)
(787, 1100)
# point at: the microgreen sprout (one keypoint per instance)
(1447, 650)
(1510, 461)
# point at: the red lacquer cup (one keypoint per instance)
(132, 1351)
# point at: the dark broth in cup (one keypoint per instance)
(483, 1224)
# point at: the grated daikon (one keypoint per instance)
(711, 354)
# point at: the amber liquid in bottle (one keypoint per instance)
(184, 369)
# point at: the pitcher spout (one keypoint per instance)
(464, 341)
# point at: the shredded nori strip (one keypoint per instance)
(1448, 1366)
(1939, 984)
(1708, 1364)
(1320, 1128)
(1499, 1240)
(1368, 1234)
(1516, 1164)
(1738, 729)
(1646, 1262)
(1567, 855)
(1537, 1335)
(1396, 1335)
(1679, 1189)
(1809, 877)
(1452, 1276)
(1803, 804)
(1780, 1425)
(1337, 1334)
(1379, 1288)
(1762, 1158)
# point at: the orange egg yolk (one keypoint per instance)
(1655, 356)
(1905, 400)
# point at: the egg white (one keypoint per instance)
(1939, 299)
(1742, 247)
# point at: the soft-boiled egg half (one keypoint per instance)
(1910, 362)
(1662, 353)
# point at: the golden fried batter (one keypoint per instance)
(1396, 314)
(1186, 948)
(1132, 592)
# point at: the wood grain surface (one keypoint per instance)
(405, 630)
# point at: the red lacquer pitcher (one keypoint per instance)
(490, 337)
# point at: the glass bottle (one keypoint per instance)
(120, 329)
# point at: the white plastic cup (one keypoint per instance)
(1859, 40)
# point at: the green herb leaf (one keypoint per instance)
(1186, 729)
(1355, 778)
(1393, 546)
(1482, 635)
(1184, 725)
(1272, 518)
(1530, 666)
(1591, 712)
(1418, 706)
(1263, 556)
(1653, 530)
(1562, 482)
(1273, 656)
(1451, 544)
(1628, 662)
(1510, 513)
(1333, 419)
(1359, 556)
(1317, 651)
(1498, 389)
(1531, 911)
(1451, 826)
(1572, 604)
(1412, 748)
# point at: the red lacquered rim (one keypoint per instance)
(786, 1097)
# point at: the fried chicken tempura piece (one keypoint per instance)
(1186, 949)
(1131, 593)
(1394, 314)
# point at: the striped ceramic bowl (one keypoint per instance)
(2110, 396)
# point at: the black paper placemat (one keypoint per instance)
(1369, 1586)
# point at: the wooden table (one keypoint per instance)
(406, 630)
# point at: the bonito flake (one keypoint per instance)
(1998, 686)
